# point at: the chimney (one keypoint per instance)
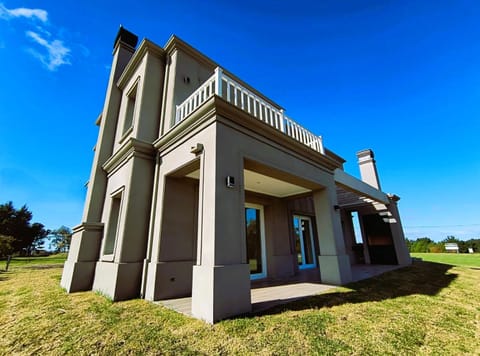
(125, 37)
(123, 49)
(368, 168)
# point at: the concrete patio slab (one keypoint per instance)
(268, 294)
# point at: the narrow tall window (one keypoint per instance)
(304, 246)
(112, 227)
(255, 234)
(130, 109)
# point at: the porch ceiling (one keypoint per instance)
(260, 183)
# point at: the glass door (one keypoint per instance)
(255, 235)
(304, 246)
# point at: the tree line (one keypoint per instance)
(425, 244)
(20, 236)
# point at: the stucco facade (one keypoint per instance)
(201, 184)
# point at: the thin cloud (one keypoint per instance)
(56, 53)
(38, 14)
(52, 52)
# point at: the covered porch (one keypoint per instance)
(238, 198)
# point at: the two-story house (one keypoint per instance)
(201, 184)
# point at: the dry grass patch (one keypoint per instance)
(424, 309)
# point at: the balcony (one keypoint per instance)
(236, 94)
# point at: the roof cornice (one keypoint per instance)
(132, 147)
(176, 43)
(146, 46)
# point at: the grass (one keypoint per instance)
(427, 308)
(454, 259)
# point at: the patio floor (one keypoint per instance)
(267, 294)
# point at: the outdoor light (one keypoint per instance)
(230, 182)
(198, 148)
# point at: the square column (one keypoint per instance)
(334, 262)
(398, 237)
(348, 234)
(79, 268)
(221, 276)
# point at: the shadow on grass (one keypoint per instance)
(427, 278)
(3, 275)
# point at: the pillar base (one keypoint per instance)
(171, 279)
(79, 269)
(335, 269)
(119, 281)
(77, 276)
(220, 291)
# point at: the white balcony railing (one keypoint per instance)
(222, 85)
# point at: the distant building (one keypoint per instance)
(451, 247)
(200, 184)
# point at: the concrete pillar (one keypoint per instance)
(348, 234)
(171, 271)
(221, 277)
(334, 262)
(366, 252)
(120, 277)
(150, 287)
(403, 255)
(80, 265)
(368, 168)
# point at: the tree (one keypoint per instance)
(421, 245)
(6, 245)
(16, 223)
(474, 244)
(61, 238)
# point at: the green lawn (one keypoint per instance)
(57, 259)
(454, 259)
(425, 309)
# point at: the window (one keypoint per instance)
(304, 246)
(112, 227)
(130, 109)
(255, 240)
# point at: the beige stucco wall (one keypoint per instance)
(185, 75)
(134, 179)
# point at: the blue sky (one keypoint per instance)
(399, 77)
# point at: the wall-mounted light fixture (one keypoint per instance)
(230, 181)
(198, 148)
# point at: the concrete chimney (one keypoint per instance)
(368, 168)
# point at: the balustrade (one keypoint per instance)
(236, 94)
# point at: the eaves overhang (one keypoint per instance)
(364, 190)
